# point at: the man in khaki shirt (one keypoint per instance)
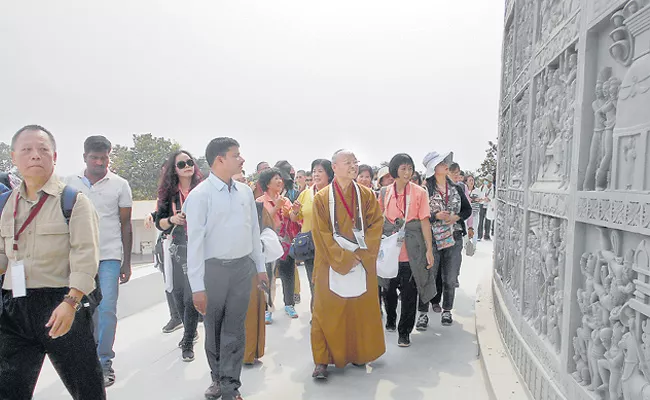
(48, 269)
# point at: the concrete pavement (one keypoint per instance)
(441, 361)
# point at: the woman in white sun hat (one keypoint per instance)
(449, 210)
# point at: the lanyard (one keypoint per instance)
(345, 204)
(397, 197)
(446, 193)
(32, 214)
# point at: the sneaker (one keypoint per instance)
(296, 298)
(446, 319)
(404, 341)
(268, 318)
(320, 372)
(213, 392)
(172, 325)
(423, 323)
(196, 339)
(436, 308)
(390, 327)
(291, 312)
(188, 352)
(109, 377)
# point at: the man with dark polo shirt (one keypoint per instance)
(49, 266)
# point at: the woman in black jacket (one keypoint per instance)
(449, 210)
(179, 176)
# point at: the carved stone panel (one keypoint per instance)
(553, 14)
(612, 343)
(517, 143)
(553, 122)
(503, 150)
(508, 64)
(544, 275)
(509, 252)
(524, 12)
(567, 36)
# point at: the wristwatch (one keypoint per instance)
(72, 301)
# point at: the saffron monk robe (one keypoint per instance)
(346, 329)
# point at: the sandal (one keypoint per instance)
(109, 377)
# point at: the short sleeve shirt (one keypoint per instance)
(269, 205)
(108, 195)
(394, 208)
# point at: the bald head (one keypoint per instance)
(345, 165)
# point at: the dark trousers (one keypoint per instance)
(483, 224)
(309, 268)
(405, 283)
(24, 342)
(287, 270)
(182, 294)
(447, 261)
(228, 287)
(173, 311)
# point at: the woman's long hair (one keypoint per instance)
(168, 184)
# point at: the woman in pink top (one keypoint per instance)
(279, 207)
(395, 200)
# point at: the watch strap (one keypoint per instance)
(72, 301)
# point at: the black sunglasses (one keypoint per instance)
(183, 164)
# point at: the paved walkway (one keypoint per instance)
(441, 361)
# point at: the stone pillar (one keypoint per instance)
(572, 250)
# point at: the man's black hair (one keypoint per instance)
(97, 144)
(219, 147)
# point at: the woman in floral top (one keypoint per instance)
(449, 210)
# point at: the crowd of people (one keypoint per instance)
(370, 241)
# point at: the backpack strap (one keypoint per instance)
(4, 197)
(68, 200)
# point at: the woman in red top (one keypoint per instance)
(279, 207)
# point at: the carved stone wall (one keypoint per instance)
(572, 243)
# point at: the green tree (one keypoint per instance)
(203, 166)
(5, 157)
(141, 163)
(489, 164)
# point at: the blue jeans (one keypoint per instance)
(105, 317)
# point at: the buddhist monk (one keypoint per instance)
(346, 325)
(255, 327)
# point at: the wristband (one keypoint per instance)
(72, 301)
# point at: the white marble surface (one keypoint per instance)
(441, 361)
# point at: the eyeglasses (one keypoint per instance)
(182, 164)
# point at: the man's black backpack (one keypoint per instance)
(68, 200)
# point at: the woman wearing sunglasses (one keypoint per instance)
(179, 176)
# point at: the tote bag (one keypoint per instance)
(388, 257)
(353, 284)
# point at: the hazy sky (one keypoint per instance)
(290, 80)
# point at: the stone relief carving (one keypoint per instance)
(567, 36)
(601, 148)
(552, 13)
(553, 122)
(502, 146)
(509, 247)
(508, 55)
(601, 344)
(544, 288)
(518, 140)
(524, 41)
(631, 212)
(554, 204)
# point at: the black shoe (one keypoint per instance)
(196, 339)
(109, 377)
(188, 352)
(390, 327)
(446, 319)
(200, 318)
(423, 323)
(172, 325)
(320, 372)
(404, 341)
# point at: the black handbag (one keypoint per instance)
(302, 248)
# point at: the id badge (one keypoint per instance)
(360, 237)
(400, 237)
(18, 283)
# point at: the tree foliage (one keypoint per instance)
(141, 163)
(489, 164)
(5, 157)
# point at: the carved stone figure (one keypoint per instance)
(629, 159)
(609, 110)
(599, 127)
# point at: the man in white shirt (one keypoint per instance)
(111, 196)
(223, 252)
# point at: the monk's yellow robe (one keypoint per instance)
(346, 330)
(255, 327)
